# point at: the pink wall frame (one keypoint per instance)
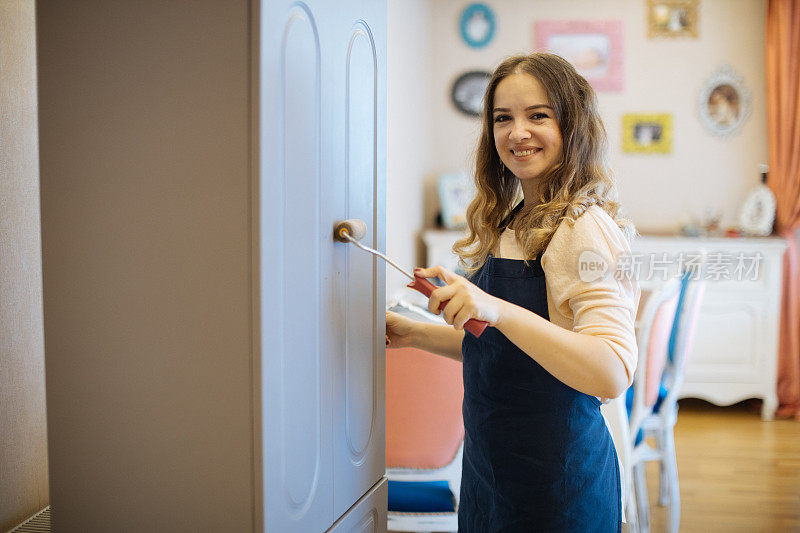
(595, 47)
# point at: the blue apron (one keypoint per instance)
(537, 453)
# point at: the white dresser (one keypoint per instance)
(735, 351)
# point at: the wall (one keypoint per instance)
(409, 133)
(23, 445)
(145, 154)
(660, 76)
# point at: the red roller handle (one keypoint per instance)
(424, 286)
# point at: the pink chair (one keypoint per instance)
(653, 331)
(424, 440)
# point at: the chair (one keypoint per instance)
(660, 423)
(653, 331)
(424, 440)
(616, 417)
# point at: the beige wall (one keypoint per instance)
(145, 155)
(408, 155)
(23, 432)
(660, 76)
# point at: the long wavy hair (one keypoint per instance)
(581, 179)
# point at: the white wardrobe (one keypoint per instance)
(214, 360)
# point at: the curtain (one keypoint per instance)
(783, 119)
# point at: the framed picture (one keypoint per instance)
(455, 193)
(467, 91)
(477, 25)
(593, 47)
(647, 134)
(672, 18)
(724, 102)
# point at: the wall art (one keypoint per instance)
(595, 48)
(477, 25)
(467, 91)
(672, 18)
(647, 133)
(724, 102)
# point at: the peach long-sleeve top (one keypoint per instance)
(604, 307)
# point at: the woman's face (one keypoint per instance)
(526, 134)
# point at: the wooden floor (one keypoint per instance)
(736, 472)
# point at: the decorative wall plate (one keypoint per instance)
(758, 212)
(477, 25)
(724, 102)
(467, 91)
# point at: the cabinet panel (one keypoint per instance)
(359, 432)
(360, 179)
(299, 327)
(295, 271)
(725, 347)
(368, 515)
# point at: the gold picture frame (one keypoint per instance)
(647, 133)
(672, 18)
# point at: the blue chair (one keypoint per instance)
(659, 422)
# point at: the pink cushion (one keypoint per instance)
(424, 427)
(657, 348)
(690, 321)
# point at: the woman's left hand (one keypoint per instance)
(464, 300)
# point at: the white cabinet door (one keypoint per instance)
(295, 273)
(359, 372)
(322, 157)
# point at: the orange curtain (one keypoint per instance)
(783, 116)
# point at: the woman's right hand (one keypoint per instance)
(399, 330)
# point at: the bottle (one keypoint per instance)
(758, 211)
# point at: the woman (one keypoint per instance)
(537, 453)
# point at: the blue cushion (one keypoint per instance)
(685, 278)
(662, 395)
(421, 497)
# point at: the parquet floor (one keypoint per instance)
(737, 473)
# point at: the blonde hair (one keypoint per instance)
(581, 179)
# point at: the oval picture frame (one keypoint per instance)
(724, 102)
(467, 91)
(477, 25)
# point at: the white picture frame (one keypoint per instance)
(724, 102)
(455, 193)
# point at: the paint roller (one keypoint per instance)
(353, 230)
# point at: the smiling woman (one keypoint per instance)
(526, 134)
(538, 101)
(537, 453)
